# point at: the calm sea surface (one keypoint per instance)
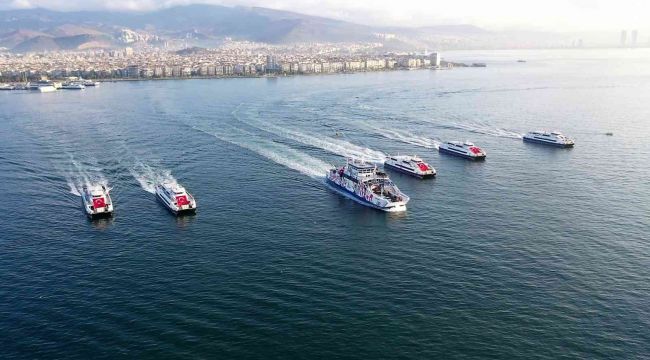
(535, 253)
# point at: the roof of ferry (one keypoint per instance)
(361, 165)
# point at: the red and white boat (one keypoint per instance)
(175, 198)
(410, 165)
(465, 150)
(96, 201)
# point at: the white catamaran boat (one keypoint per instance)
(465, 150)
(175, 198)
(368, 186)
(410, 165)
(96, 200)
(90, 83)
(42, 86)
(549, 138)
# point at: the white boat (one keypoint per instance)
(549, 138)
(96, 200)
(175, 198)
(46, 88)
(465, 150)
(90, 83)
(410, 165)
(73, 86)
(42, 86)
(364, 183)
(7, 87)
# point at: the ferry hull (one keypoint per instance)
(101, 215)
(344, 191)
(403, 171)
(464, 156)
(553, 144)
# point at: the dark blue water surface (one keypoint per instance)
(535, 253)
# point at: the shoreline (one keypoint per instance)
(107, 80)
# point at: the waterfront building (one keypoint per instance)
(435, 59)
(133, 71)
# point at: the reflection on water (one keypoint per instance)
(186, 219)
(102, 223)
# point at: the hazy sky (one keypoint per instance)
(560, 15)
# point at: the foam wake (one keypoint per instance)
(335, 146)
(79, 174)
(403, 136)
(148, 176)
(278, 153)
(484, 129)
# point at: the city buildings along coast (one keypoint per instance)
(234, 59)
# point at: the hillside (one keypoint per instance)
(196, 25)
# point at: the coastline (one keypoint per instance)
(251, 76)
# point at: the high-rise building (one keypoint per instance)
(435, 59)
(271, 64)
(635, 35)
(623, 38)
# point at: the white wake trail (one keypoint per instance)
(335, 146)
(278, 153)
(403, 136)
(148, 176)
(486, 130)
(79, 174)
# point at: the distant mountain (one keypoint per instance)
(75, 42)
(13, 38)
(195, 25)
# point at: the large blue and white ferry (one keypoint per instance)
(364, 183)
(549, 138)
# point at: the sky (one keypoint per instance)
(546, 15)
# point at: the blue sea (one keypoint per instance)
(535, 253)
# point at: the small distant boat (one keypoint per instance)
(90, 83)
(96, 201)
(465, 150)
(481, 65)
(609, 133)
(521, 61)
(367, 185)
(7, 87)
(554, 138)
(175, 198)
(410, 165)
(73, 86)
